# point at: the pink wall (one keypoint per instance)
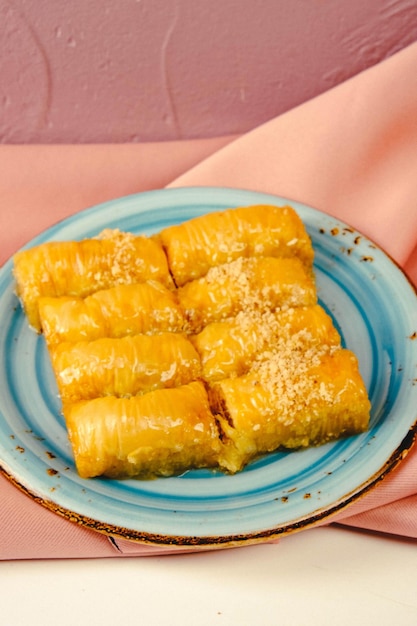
(143, 70)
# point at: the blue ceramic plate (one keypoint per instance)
(373, 306)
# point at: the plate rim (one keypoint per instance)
(212, 541)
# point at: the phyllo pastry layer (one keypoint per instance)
(230, 347)
(79, 268)
(290, 400)
(196, 245)
(116, 312)
(160, 433)
(123, 367)
(261, 283)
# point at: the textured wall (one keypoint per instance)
(143, 70)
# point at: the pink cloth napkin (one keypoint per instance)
(351, 152)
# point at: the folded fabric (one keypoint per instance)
(42, 184)
(350, 152)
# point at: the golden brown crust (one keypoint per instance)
(232, 359)
(259, 283)
(220, 237)
(290, 400)
(120, 311)
(160, 433)
(79, 268)
(123, 367)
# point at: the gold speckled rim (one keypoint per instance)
(263, 536)
(379, 286)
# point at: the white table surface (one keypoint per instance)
(324, 576)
